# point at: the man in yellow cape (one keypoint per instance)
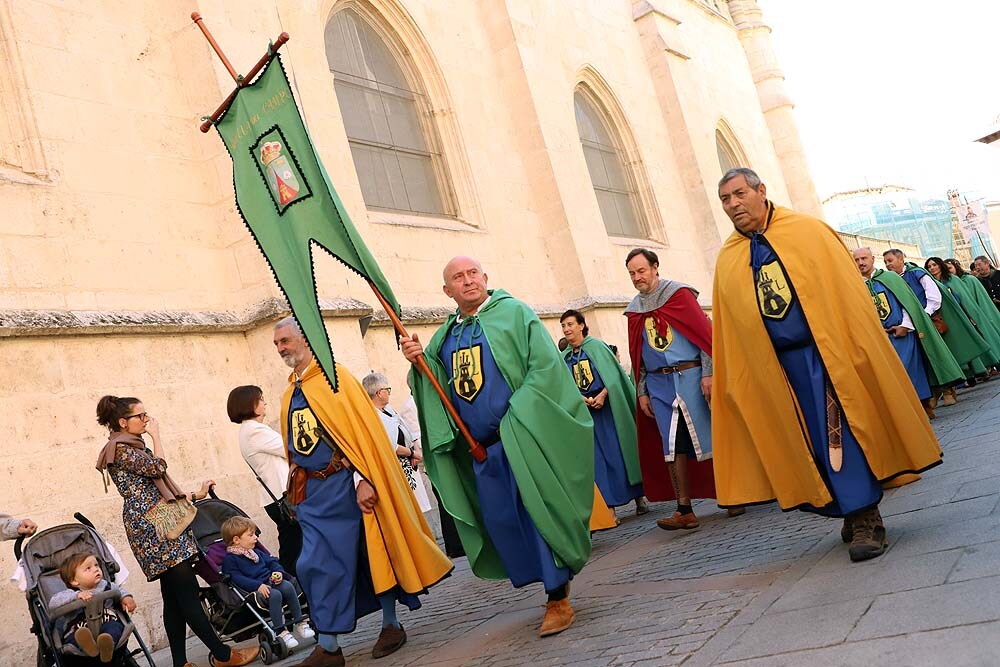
(811, 405)
(366, 544)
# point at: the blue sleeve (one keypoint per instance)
(273, 563)
(231, 566)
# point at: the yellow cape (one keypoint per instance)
(761, 448)
(401, 549)
(602, 517)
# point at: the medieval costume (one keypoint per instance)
(670, 345)
(523, 513)
(616, 459)
(353, 563)
(927, 359)
(811, 405)
(961, 337)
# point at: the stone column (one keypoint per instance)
(755, 37)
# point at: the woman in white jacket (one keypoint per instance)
(404, 442)
(264, 452)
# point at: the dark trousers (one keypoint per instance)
(452, 544)
(289, 538)
(181, 610)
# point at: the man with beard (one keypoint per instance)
(365, 544)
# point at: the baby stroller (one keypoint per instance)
(41, 557)
(233, 612)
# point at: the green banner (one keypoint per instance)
(288, 203)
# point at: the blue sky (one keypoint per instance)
(888, 91)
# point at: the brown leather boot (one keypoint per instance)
(320, 657)
(868, 538)
(559, 615)
(736, 511)
(928, 409)
(389, 641)
(239, 657)
(678, 520)
(949, 397)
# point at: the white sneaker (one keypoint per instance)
(304, 631)
(290, 641)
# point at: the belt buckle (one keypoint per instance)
(320, 474)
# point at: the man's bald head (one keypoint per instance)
(865, 260)
(465, 282)
(460, 261)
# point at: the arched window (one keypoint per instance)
(387, 120)
(613, 184)
(728, 148)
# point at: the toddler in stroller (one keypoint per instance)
(55, 624)
(84, 578)
(253, 570)
(233, 609)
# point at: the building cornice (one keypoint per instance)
(25, 323)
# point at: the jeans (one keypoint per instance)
(282, 594)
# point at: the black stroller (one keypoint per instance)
(233, 612)
(41, 557)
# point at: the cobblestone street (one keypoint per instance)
(768, 588)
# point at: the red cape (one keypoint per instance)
(682, 312)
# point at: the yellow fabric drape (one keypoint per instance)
(761, 447)
(602, 517)
(401, 549)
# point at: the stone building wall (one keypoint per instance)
(125, 269)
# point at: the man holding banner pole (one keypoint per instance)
(523, 512)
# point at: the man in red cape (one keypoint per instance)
(670, 344)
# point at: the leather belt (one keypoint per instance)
(336, 464)
(667, 370)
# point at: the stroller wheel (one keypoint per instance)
(281, 650)
(266, 654)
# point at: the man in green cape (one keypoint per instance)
(523, 513)
(610, 397)
(962, 339)
(927, 359)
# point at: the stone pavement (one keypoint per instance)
(765, 589)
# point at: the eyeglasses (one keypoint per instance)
(142, 415)
(387, 390)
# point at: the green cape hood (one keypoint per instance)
(547, 435)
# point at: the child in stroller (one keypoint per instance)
(231, 608)
(253, 570)
(82, 574)
(41, 557)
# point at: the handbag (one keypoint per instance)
(170, 518)
(939, 323)
(287, 513)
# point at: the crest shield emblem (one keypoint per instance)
(882, 305)
(306, 432)
(774, 295)
(467, 372)
(657, 341)
(279, 169)
(583, 374)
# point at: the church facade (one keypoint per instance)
(546, 138)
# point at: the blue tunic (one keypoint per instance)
(481, 395)
(912, 278)
(890, 311)
(333, 566)
(609, 464)
(854, 487)
(677, 394)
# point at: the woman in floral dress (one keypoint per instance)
(141, 478)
